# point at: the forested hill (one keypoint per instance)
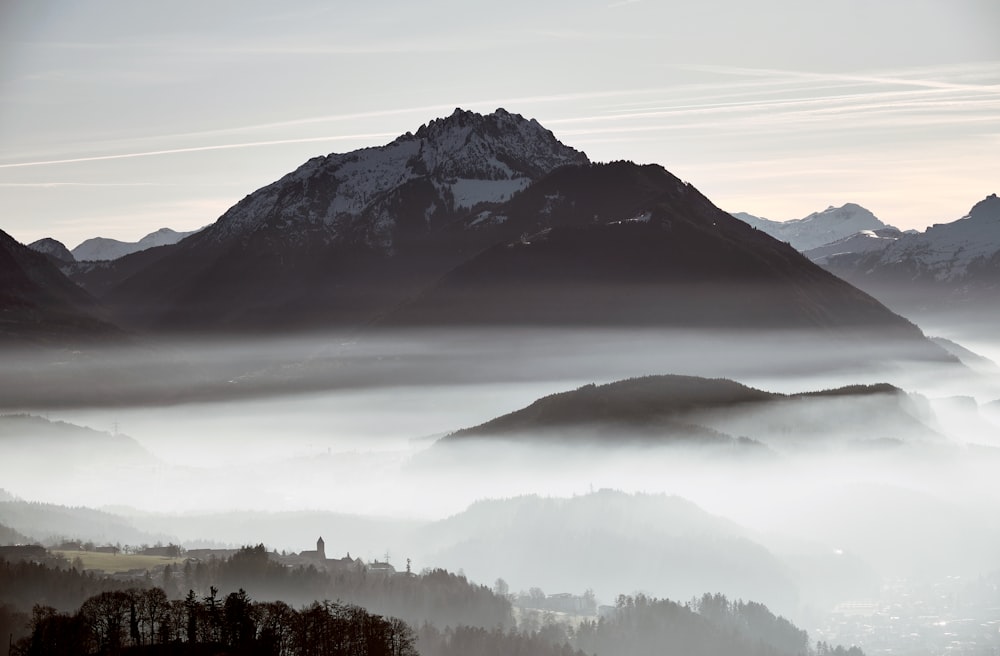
(206, 609)
(145, 621)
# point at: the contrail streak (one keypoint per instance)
(196, 149)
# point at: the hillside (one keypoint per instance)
(690, 410)
(609, 541)
(627, 245)
(39, 306)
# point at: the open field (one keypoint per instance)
(117, 562)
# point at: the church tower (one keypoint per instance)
(320, 549)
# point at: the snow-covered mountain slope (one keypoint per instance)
(961, 252)
(56, 249)
(362, 215)
(860, 242)
(371, 195)
(102, 248)
(819, 228)
(947, 263)
(950, 252)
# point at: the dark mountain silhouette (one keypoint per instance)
(690, 409)
(482, 220)
(40, 306)
(637, 403)
(628, 245)
(100, 276)
(344, 236)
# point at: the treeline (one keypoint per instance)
(434, 595)
(144, 621)
(466, 640)
(24, 584)
(710, 626)
(258, 617)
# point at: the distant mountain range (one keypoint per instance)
(482, 220)
(479, 220)
(952, 264)
(860, 242)
(819, 228)
(99, 249)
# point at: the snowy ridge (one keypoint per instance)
(864, 241)
(101, 248)
(819, 228)
(52, 247)
(944, 252)
(450, 164)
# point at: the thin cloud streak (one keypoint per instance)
(195, 149)
(851, 77)
(315, 120)
(421, 109)
(953, 97)
(48, 185)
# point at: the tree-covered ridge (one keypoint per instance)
(710, 626)
(10, 536)
(433, 595)
(634, 401)
(440, 614)
(652, 403)
(25, 584)
(138, 621)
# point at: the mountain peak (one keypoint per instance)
(463, 118)
(960, 255)
(847, 212)
(460, 141)
(987, 209)
(102, 248)
(448, 166)
(819, 228)
(56, 249)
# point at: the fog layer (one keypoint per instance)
(821, 498)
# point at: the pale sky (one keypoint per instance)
(119, 117)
